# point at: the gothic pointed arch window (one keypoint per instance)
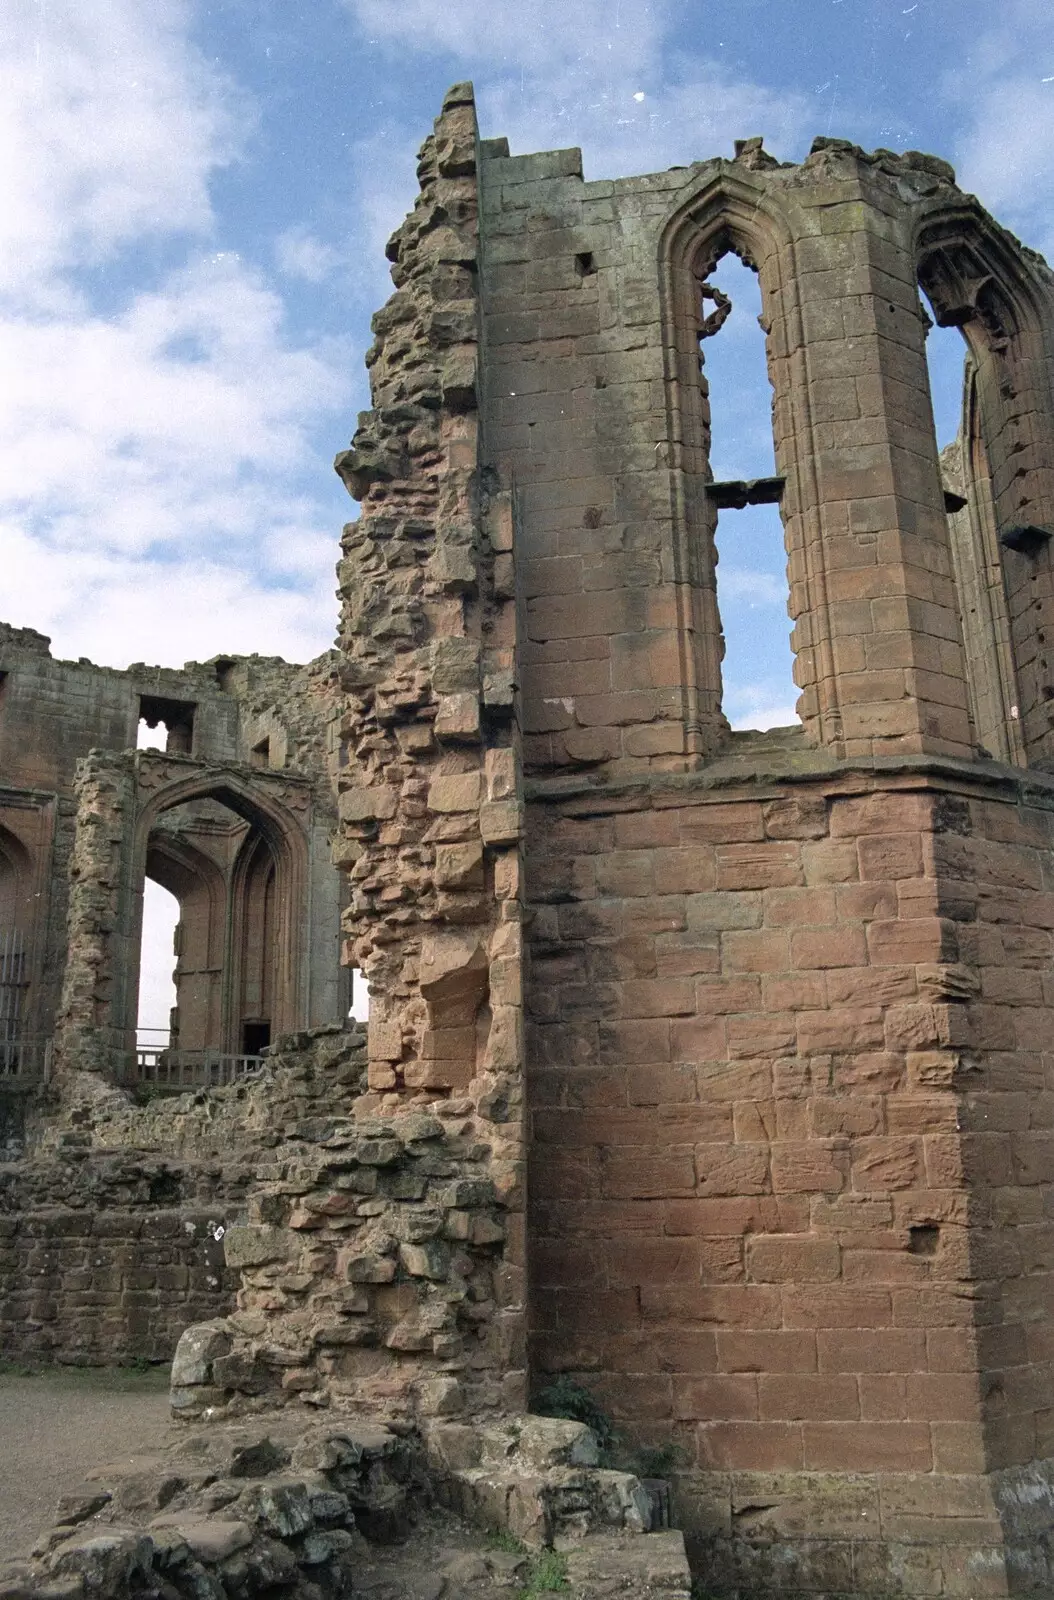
(743, 495)
(999, 478)
(726, 256)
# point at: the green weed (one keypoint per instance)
(547, 1574)
(570, 1400)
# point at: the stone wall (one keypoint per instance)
(254, 733)
(790, 1140)
(107, 1259)
(430, 809)
(786, 1075)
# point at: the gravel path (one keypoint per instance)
(56, 1427)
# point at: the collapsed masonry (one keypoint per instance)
(785, 1087)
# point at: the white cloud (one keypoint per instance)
(1005, 150)
(116, 608)
(760, 706)
(152, 456)
(111, 124)
(301, 255)
(601, 75)
(510, 34)
(755, 588)
(165, 424)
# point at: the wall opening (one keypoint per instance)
(256, 1036)
(758, 689)
(176, 716)
(260, 754)
(359, 1010)
(157, 960)
(955, 362)
(232, 975)
(15, 923)
(946, 360)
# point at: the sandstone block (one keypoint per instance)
(452, 964)
(500, 821)
(454, 792)
(368, 804)
(458, 717)
(459, 866)
(248, 1245)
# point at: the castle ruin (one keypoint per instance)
(711, 1069)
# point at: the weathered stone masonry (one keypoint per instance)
(770, 1013)
(787, 996)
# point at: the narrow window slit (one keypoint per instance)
(745, 491)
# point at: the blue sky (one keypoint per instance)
(194, 197)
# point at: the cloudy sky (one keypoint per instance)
(194, 199)
(194, 196)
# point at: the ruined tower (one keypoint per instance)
(787, 998)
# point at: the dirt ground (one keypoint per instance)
(55, 1426)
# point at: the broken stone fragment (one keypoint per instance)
(212, 1541)
(419, 1128)
(369, 1267)
(501, 822)
(368, 804)
(458, 717)
(80, 1505)
(453, 570)
(454, 664)
(338, 1334)
(198, 1347)
(458, 380)
(430, 1259)
(245, 1245)
(440, 1397)
(459, 866)
(367, 463)
(108, 1563)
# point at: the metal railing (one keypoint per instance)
(13, 985)
(175, 1070)
(25, 1060)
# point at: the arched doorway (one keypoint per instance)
(235, 865)
(14, 951)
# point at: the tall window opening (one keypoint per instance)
(157, 959)
(960, 364)
(946, 359)
(758, 689)
(14, 955)
(359, 1010)
(219, 898)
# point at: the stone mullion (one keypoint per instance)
(1018, 410)
(801, 509)
(978, 567)
(893, 611)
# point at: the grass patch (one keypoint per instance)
(571, 1400)
(502, 1539)
(547, 1574)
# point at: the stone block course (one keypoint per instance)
(766, 1016)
